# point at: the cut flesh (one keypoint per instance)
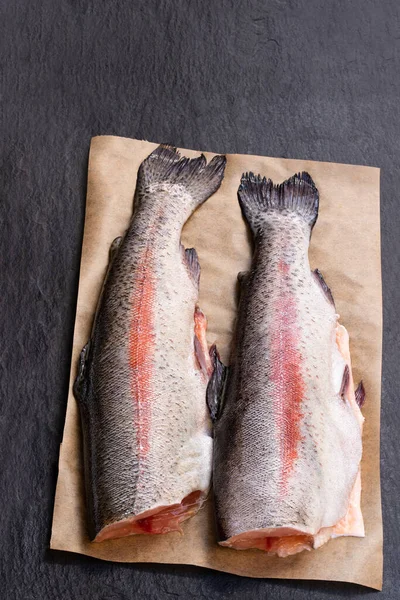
(159, 520)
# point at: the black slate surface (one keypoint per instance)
(311, 79)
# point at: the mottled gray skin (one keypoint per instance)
(270, 473)
(154, 449)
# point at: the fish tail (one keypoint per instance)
(259, 196)
(166, 165)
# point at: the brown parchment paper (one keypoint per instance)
(345, 246)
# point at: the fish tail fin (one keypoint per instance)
(166, 165)
(259, 196)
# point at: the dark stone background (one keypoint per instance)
(311, 79)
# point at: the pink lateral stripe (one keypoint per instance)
(141, 350)
(286, 376)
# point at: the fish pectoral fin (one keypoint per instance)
(192, 264)
(79, 387)
(216, 385)
(323, 286)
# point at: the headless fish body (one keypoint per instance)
(143, 375)
(288, 427)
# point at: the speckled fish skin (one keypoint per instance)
(141, 389)
(287, 443)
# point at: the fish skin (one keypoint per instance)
(287, 443)
(140, 388)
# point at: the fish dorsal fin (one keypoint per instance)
(192, 264)
(360, 394)
(215, 388)
(324, 286)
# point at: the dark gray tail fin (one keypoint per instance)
(258, 196)
(165, 165)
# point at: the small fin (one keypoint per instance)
(259, 196)
(201, 357)
(200, 342)
(115, 244)
(79, 387)
(242, 277)
(345, 382)
(165, 165)
(324, 286)
(215, 388)
(360, 394)
(193, 265)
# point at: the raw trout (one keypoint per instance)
(142, 378)
(288, 427)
